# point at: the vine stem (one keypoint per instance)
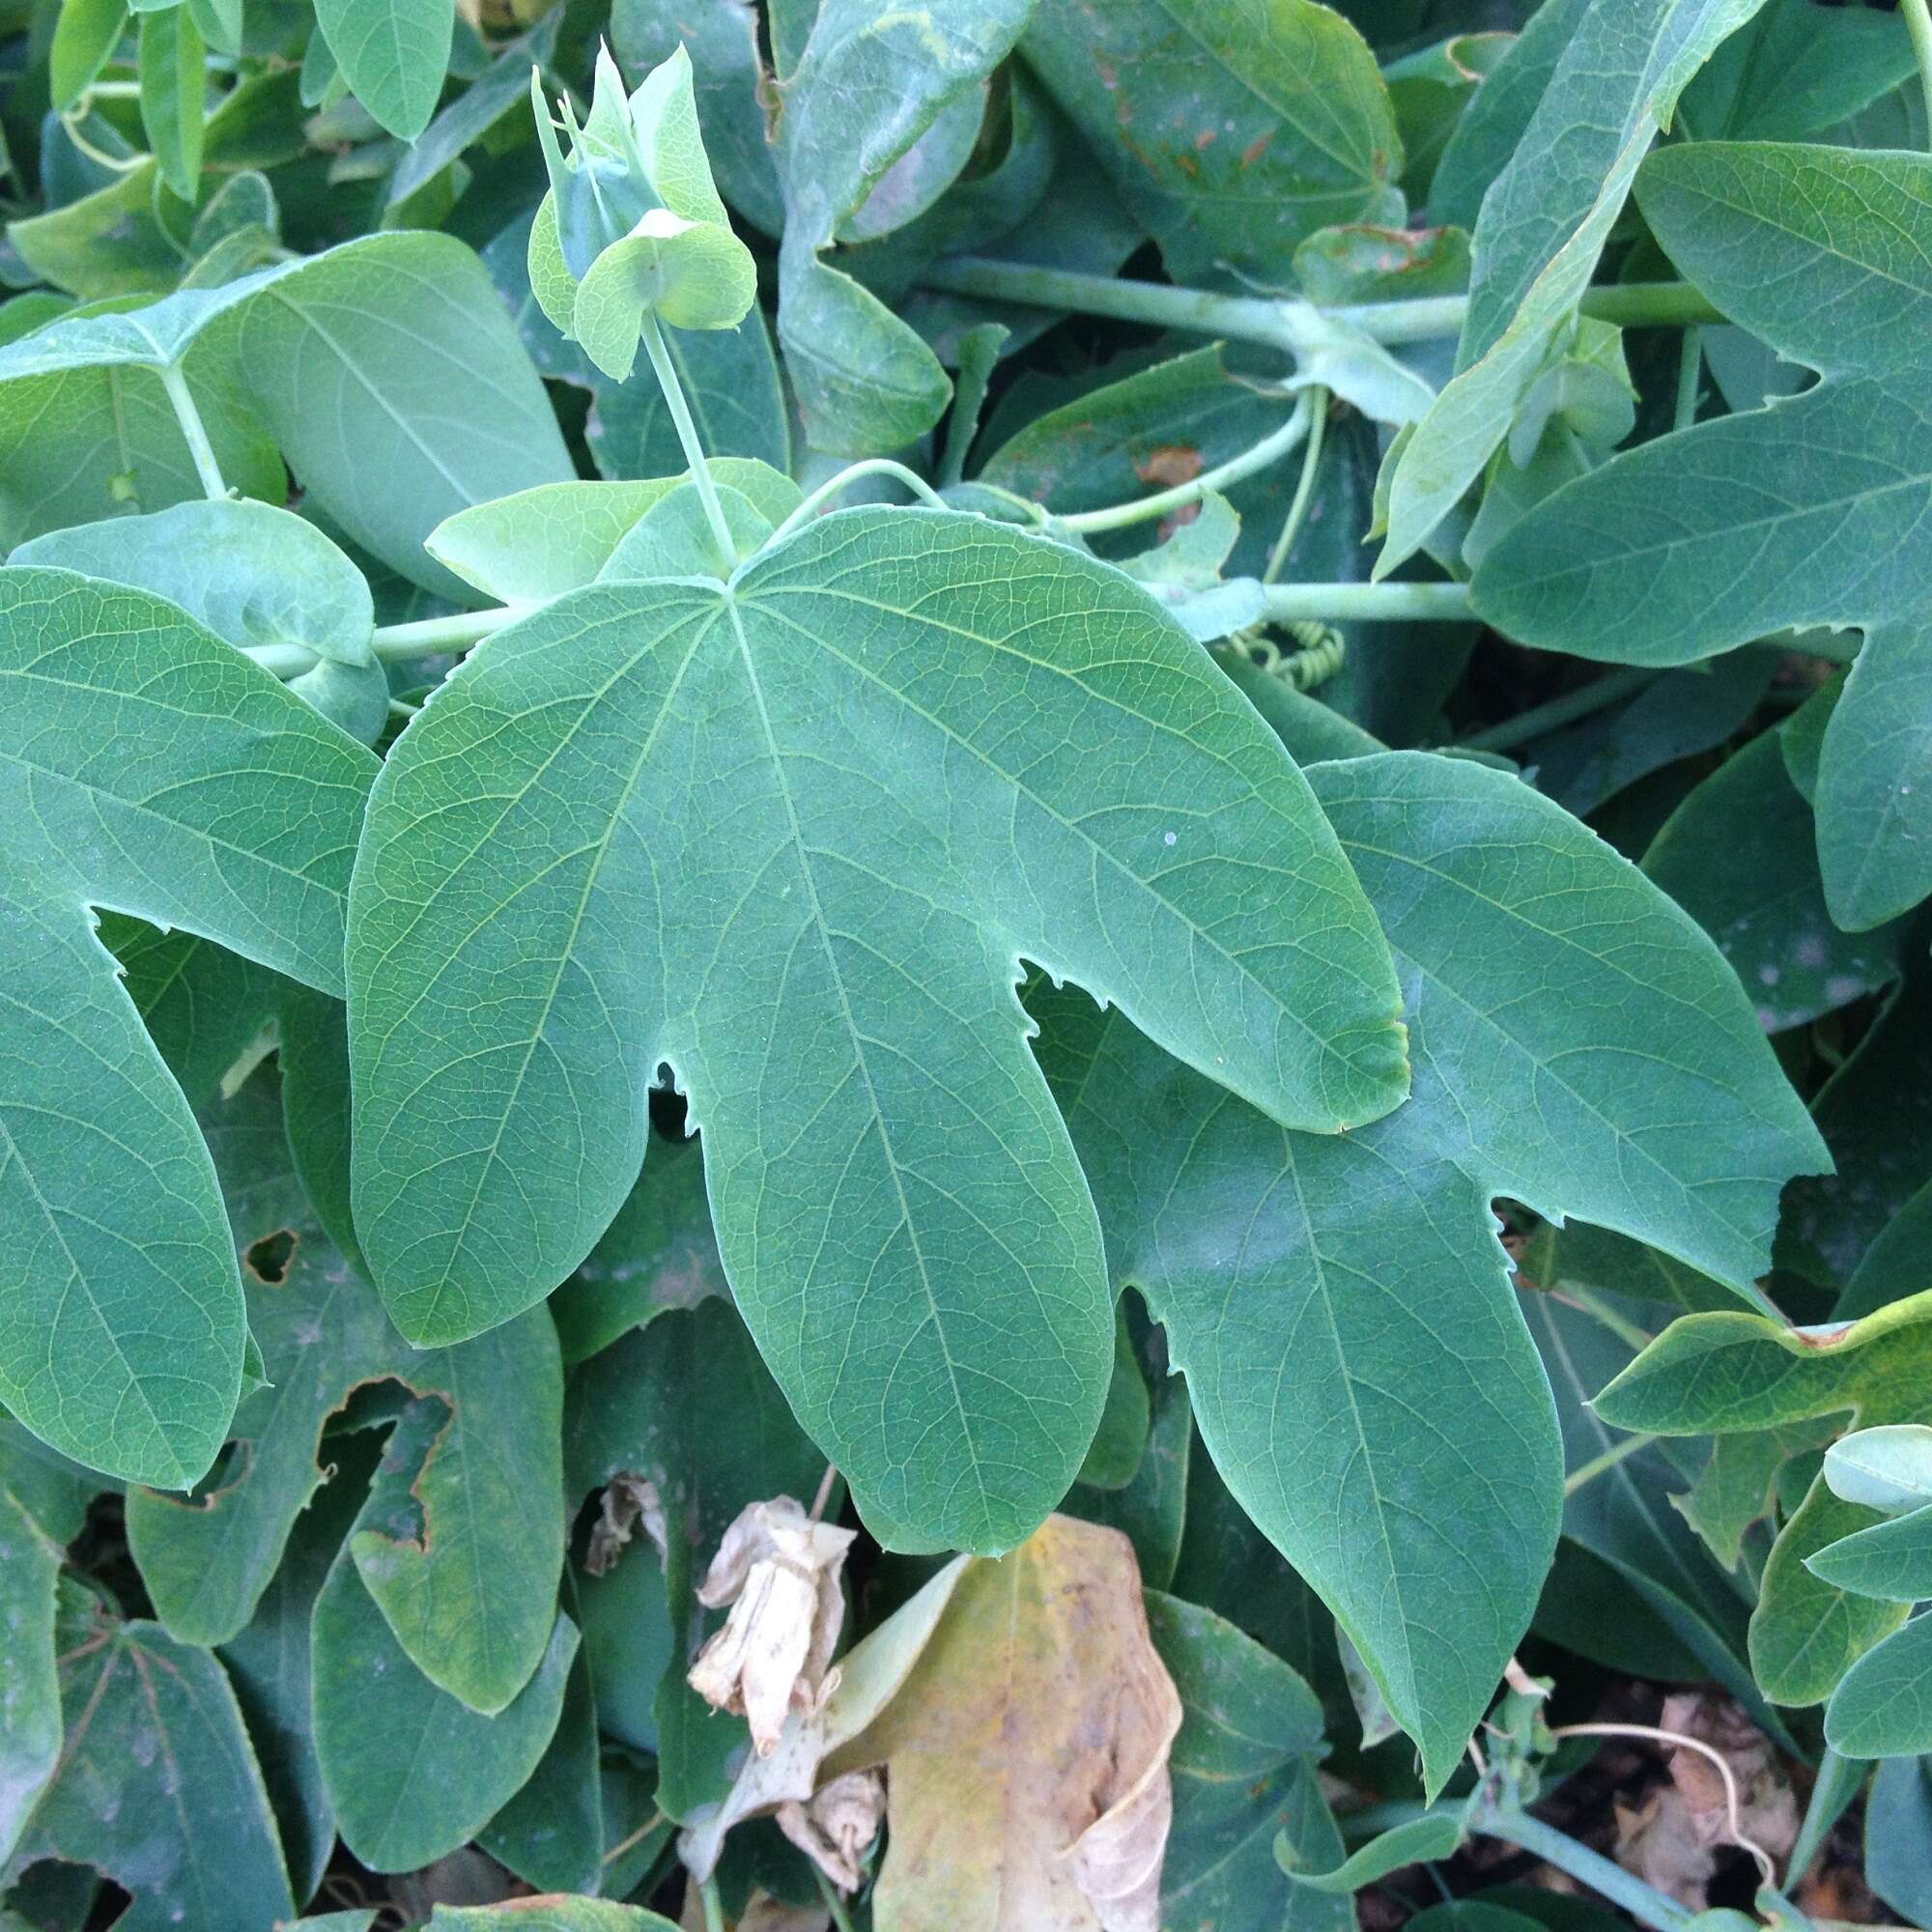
(714, 1908)
(1259, 319)
(398, 642)
(1643, 1903)
(213, 485)
(1586, 1473)
(1918, 24)
(1679, 1740)
(841, 1919)
(1270, 450)
(687, 434)
(1559, 711)
(1367, 603)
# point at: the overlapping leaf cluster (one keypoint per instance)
(570, 968)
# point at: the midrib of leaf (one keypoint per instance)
(1099, 852)
(906, 1221)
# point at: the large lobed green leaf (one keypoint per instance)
(144, 765)
(793, 836)
(1340, 1304)
(1803, 513)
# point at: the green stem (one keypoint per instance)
(713, 1910)
(1644, 1904)
(1559, 711)
(1690, 368)
(872, 465)
(1838, 1783)
(1591, 1303)
(1271, 449)
(1368, 603)
(398, 642)
(1599, 1465)
(1304, 490)
(841, 1919)
(1258, 318)
(687, 434)
(1918, 24)
(193, 433)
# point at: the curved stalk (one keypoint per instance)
(1270, 450)
(872, 466)
(193, 433)
(1304, 490)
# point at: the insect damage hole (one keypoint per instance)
(270, 1259)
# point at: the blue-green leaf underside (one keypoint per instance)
(146, 766)
(793, 838)
(1339, 1305)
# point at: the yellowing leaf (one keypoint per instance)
(1027, 1753)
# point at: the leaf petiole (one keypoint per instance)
(193, 432)
(1368, 603)
(1918, 24)
(1304, 490)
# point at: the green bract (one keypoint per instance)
(632, 226)
(1052, 1088)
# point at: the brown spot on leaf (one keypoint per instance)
(1256, 149)
(1169, 463)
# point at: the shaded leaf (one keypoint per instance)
(469, 1584)
(195, 1845)
(413, 1773)
(1739, 855)
(1243, 1772)
(1233, 132)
